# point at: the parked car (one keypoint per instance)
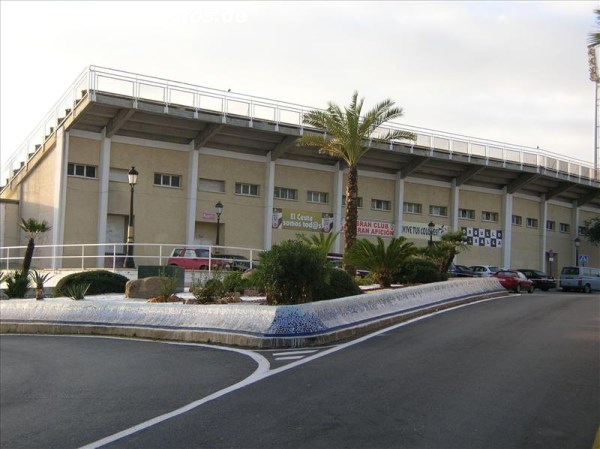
(195, 259)
(460, 271)
(540, 279)
(337, 260)
(584, 279)
(514, 280)
(484, 270)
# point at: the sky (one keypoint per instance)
(514, 72)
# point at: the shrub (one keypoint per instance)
(291, 271)
(421, 271)
(233, 282)
(338, 285)
(168, 284)
(17, 284)
(211, 291)
(101, 281)
(369, 279)
(77, 291)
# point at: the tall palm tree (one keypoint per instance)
(381, 261)
(594, 38)
(346, 137)
(32, 228)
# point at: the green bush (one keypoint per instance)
(101, 281)
(211, 291)
(168, 284)
(233, 282)
(17, 284)
(338, 285)
(420, 271)
(291, 271)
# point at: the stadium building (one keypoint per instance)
(194, 147)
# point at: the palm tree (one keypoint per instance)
(32, 228)
(443, 252)
(321, 241)
(594, 38)
(346, 137)
(381, 261)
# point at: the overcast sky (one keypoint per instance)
(515, 72)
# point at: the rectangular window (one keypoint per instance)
(211, 185)
(581, 230)
(283, 193)
(517, 220)
(381, 205)
(532, 222)
(317, 197)
(438, 211)
(565, 227)
(466, 214)
(550, 225)
(161, 179)
(246, 189)
(412, 208)
(83, 171)
(489, 216)
(359, 201)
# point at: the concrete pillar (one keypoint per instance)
(338, 193)
(507, 207)
(192, 195)
(398, 205)
(454, 200)
(544, 233)
(575, 221)
(269, 194)
(103, 186)
(60, 195)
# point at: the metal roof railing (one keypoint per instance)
(173, 93)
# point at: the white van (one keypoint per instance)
(583, 279)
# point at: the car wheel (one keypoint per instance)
(203, 267)
(545, 289)
(587, 288)
(530, 290)
(518, 288)
(565, 289)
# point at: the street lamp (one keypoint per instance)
(219, 208)
(431, 226)
(593, 63)
(129, 263)
(577, 243)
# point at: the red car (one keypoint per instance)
(514, 280)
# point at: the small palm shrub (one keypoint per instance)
(168, 284)
(291, 272)
(338, 285)
(233, 282)
(77, 291)
(101, 281)
(17, 284)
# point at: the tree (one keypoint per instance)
(32, 228)
(381, 261)
(594, 38)
(321, 241)
(442, 253)
(592, 230)
(346, 137)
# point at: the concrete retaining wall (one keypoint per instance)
(242, 324)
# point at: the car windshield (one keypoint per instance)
(570, 270)
(494, 269)
(539, 273)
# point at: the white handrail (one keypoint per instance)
(11, 257)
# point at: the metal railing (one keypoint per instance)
(111, 256)
(177, 94)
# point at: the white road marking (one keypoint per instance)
(262, 372)
(291, 357)
(277, 354)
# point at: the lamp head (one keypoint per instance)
(132, 175)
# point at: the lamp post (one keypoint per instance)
(431, 226)
(129, 263)
(577, 243)
(593, 63)
(219, 208)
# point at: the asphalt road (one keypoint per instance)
(520, 372)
